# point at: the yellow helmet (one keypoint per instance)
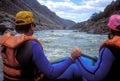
(24, 17)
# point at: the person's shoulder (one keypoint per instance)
(34, 42)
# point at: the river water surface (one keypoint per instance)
(58, 43)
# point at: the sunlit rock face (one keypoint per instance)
(44, 18)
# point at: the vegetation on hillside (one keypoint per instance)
(98, 21)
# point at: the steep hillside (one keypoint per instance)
(98, 21)
(45, 19)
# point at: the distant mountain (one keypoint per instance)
(45, 18)
(98, 21)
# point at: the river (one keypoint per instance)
(58, 43)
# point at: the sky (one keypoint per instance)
(76, 10)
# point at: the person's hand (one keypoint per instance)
(76, 52)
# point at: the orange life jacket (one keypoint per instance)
(11, 66)
(114, 41)
(114, 46)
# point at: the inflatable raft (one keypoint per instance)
(88, 60)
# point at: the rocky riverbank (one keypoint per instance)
(97, 24)
(44, 18)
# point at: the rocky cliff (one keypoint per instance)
(98, 21)
(45, 19)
